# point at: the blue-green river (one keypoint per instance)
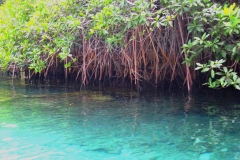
(63, 122)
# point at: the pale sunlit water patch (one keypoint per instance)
(5, 125)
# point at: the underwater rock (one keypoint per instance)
(170, 143)
(164, 140)
(103, 150)
(205, 156)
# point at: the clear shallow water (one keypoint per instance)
(52, 122)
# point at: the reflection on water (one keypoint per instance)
(47, 122)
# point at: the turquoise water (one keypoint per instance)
(58, 122)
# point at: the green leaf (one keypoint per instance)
(205, 69)
(198, 68)
(221, 80)
(237, 87)
(199, 64)
(225, 69)
(223, 53)
(209, 80)
(67, 65)
(220, 73)
(234, 50)
(212, 73)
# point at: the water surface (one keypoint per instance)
(59, 122)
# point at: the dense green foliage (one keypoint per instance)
(34, 30)
(218, 38)
(139, 39)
